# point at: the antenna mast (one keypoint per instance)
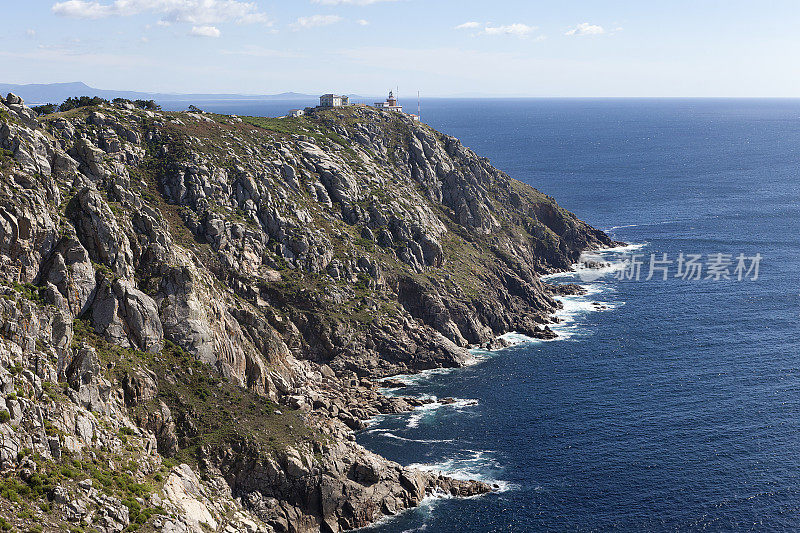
(418, 111)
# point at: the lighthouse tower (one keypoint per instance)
(390, 104)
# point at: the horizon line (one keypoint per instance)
(356, 94)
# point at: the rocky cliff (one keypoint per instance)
(195, 309)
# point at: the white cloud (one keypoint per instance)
(202, 12)
(82, 9)
(468, 26)
(315, 21)
(517, 29)
(584, 28)
(30, 33)
(350, 2)
(362, 22)
(204, 31)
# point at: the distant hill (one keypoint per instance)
(41, 93)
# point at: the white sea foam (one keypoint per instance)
(590, 274)
(609, 256)
(624, 248)
(424, 411)
(390, 435)
(476, 356)
(477, 465)
(612, 228)
(513, 338)
(426, 506)
(573, 307)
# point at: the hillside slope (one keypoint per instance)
(195, 309)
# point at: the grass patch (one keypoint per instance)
(28, 291)
(214, 412)
(286, 126)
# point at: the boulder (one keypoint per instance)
(139, 385)
(184, 490)
(140, 314)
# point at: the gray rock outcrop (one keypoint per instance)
(195, 309)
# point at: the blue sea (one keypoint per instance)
(671, 405)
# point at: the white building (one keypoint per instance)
(390, 104)
(296, 112)
(333, 100)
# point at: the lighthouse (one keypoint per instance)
(390, 104)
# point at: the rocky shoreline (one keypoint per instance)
(196, 310)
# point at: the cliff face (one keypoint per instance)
(221, 293)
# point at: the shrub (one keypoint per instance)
(23, 453)
(81, 101)
(147, 104)
(141, 104)
(5, 416)
(45, 109)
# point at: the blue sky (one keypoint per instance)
(440, 47)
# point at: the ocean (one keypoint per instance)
(664, 404)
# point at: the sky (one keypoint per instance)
(559, 48)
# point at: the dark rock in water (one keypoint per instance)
(417, 402)
(497, 343)
(235, 290)
(594, 264)
(393, 384)
(567, 289)
(546, 333)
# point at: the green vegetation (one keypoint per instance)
(5, 117)
(219, 411)
(45, 109)
(95, 465)
(74, 102)
(29, 291)
(287, 126)
(77, 102)
(6, 159)
(150, 105)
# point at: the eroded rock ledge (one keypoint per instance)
(195, 309)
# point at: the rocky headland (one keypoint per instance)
(196, 310)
